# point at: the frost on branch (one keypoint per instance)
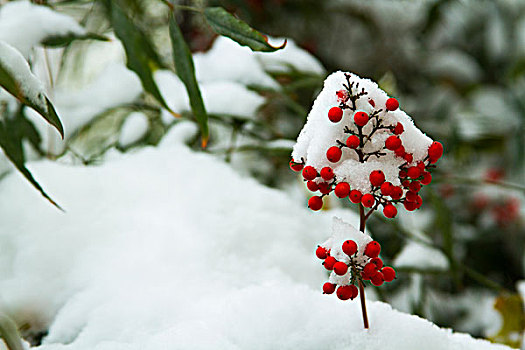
(358, 143)
(352, 256)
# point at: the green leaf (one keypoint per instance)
(11, 143)
(186, 72)
(141, 57)
(64, 40)
(9, 333)
(19, 81)
(224, 23)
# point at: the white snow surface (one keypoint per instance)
(24, 25)
(219, 97)
(166, 248)
(419, 256)
(133, 129)
(319, 134)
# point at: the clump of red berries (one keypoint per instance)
(361, 267)
(412, 176)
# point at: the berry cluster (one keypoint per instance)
(412, 174)
(354, 268)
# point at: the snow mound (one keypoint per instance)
(170, 249)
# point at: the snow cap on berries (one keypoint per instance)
(320, 134)
(341, 232)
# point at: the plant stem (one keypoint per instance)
(362, 221)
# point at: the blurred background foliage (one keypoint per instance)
(457, 67)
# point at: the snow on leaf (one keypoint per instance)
(17, 78)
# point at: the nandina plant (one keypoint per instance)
(358, 144)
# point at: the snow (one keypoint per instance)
(24, 25)
(169, 248)
(237, 63)
(134, 128)
(319, 134)
(17, 67)
(422, 257)
(220, 97)
(114, 86)
(291, 57)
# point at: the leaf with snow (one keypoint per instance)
(17, 78)
(224, 23)
(186, 72)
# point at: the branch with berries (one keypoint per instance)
(375, 156)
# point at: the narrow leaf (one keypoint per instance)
(16, 77)
(141, 57)
(11, 144)
(186, 72)
(64, 40)
(224, 23)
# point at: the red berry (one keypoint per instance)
(405, 183)
(335, 114)
(386, 188)
(349, 247)
(377, 178)
(329, 263)
(427, 178)
(392, 104)
(372, 103)
(370, 269)
(329, 288)
(342, 190)
(309, 172)
(340, 268)
(296, 166)
(419, 201)
(402, 174)
(342, 95)
(334, 154)
(355, 196)
(421, 166)
(435, 151)
(352, 141)
(393, 142)
(390, 211)
(400, 152)
(415, 186)
(327, 173)
(398, 130)
(368, 200)
(325, 188)
(408, 158)
(321, 252)
(312, 186)
(377, 262)
(344, 292)
(373, 249)
(413, 172)
(377, 279)
(411, 196)
(396, 193)
(360, 118)
(365, 275)
(388, 273)
(410, 206)
(315, 203)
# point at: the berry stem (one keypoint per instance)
(362, 221)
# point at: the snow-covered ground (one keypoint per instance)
(166, 248)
